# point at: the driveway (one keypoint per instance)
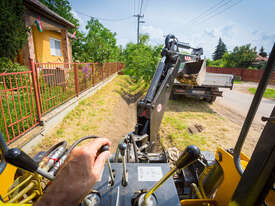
(239, 100)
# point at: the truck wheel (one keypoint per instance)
(210, 99)
(172, 96)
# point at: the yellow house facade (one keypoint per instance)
(53, 43)
(46, 47)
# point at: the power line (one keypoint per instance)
(134, 7)
(222, 11)
(103, 19)
(145, 6)
(140, 7)
(216, 10)
(139, 21)
(205, 12)
(139, 17)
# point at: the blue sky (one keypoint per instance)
(237, 22)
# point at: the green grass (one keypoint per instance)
(177, 133)
(238, 82)
(269, 93)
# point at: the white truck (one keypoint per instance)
(193, 81)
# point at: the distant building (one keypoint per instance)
(260, 62)
(48, 39)
(260, 58)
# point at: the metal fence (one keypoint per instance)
(26, 96)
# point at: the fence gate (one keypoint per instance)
(18, 105)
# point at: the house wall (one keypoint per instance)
(42, 45)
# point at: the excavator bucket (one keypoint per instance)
(193, 73)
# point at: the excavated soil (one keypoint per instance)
(109, 113)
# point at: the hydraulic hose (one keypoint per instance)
(4, 148)
(62, 159)
(79, 141)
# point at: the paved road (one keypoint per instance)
(240, 102)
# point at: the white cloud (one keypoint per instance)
(156, 34)
(122, 41)
(264, 39)
(82, 23)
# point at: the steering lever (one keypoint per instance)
(122, 148)
(189, 156)
(103, 149)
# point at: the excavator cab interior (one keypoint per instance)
(137, 175)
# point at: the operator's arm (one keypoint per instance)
(78, 176)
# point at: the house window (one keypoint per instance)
(55, 46)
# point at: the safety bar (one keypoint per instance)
(253, 109)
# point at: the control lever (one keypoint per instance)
(20, 159)
(122, 149)
(103, 149)
(189, 156)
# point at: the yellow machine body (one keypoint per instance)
(222, 196)
(6, 179)
(19, 190)
(229, 183)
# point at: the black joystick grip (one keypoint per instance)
(20, 159)
(122, 148)
(104, 148)
(190, 154)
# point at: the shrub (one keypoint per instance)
(141, 60)
(6, 66)
(13, 33)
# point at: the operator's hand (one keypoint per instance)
(78, 175)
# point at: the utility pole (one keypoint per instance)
(138, 22)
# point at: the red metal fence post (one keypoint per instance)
(34, 82)
(4, 119)
(93, 74)
(102, 71)
(76, 80)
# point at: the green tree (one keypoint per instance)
(64, 9)
(262, 52)
(220, 50)
(14, 33)
(99, 43)
(242, 56)
(141, 59)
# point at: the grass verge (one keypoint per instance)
(238, 82)
(269, 93)
(104, 114)
(218, 131)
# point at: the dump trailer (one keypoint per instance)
(193, 81)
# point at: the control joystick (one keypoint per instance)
(103, 149)
(122, 149)
(188, 157)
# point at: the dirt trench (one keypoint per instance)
(109, 113)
